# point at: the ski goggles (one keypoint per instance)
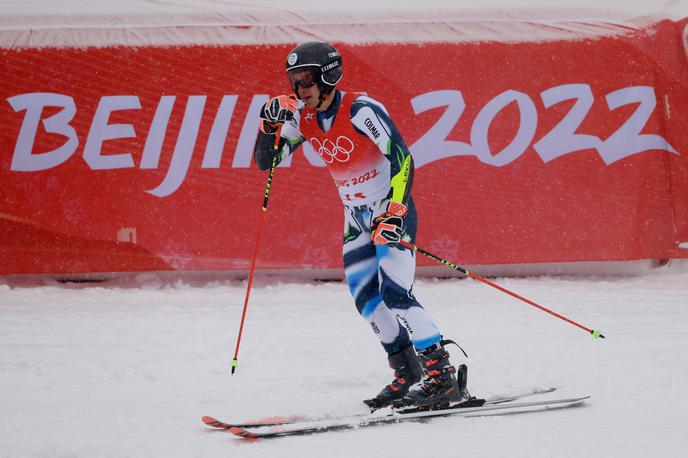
(303, 76)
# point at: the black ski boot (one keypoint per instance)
(407, 371)
(442, 384)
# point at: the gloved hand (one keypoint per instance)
(388, 228)
(277, 110)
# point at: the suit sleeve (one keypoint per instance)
(290, 140)
(369, 117)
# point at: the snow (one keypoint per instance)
(74, 23)
(128, 368)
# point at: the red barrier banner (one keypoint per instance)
(140, 158)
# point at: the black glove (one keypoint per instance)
(387, 230)
(277, 110)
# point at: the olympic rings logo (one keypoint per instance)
(330, 151)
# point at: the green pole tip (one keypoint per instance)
(597, 334)
(235, 364)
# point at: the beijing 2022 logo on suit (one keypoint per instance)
(339, 150)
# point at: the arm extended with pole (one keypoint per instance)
(595, 333)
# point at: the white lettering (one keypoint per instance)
(183, 150)
(24, 159)
(218, 133)
(156, 134)
(526, 128)
(628, 140)
(433, 145)
(563, 139)
(101, 131)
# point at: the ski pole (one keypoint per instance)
(594, 332)
(261, 224)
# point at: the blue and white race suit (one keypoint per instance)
(371, 166)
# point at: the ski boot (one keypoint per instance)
(407, 371)
(442, 383)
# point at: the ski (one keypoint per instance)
(354, 422)
(268, 421)
(286, 420)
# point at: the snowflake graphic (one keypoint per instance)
(446, 247)
(75, 210)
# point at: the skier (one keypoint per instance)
(373, 171)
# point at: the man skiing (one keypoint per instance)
(373, 171)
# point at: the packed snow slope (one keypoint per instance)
(122, 370)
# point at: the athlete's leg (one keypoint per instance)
(361, 269)
(396, 272)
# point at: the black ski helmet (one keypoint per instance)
(322, 60)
